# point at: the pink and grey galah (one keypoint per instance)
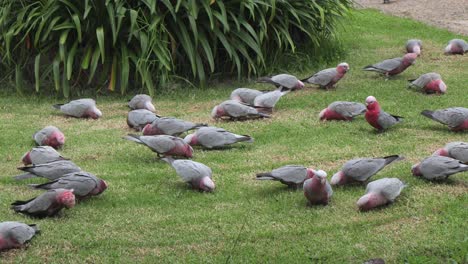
(196, 174)
(317, 190)
(164, 145)
(393, 66)
(40, 155)
(414, 46)
(214, 137)
(342, 110)
(455, 150)
(361, 169)
(378, 118)
(141, 101)
(138, 119)
(291, 175)
(456, 118)
(456, 46)
(267, 101)
(16, 234)
(81, 108)
(234, 110)
(329, 77)
(429, 83)
(49, 136)
(283, 80)
(46, 204)
(52, 170)
(245, 95)
(169, 126)
(380, 192)
(438, 168)
(84, 184)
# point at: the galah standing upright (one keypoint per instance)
(456, 150)
(84, 184)
(360, 170)
(138, 119)
(81, 108)
(414, 46)
(245, 95)
(169, 126)
(49, 136)
(456, 118)
(393, 66)
(267, 101)
(438, 168)
(456, 46)
(378, 118)
(52, 170)
(198, 175)
(291, 175)
(40, 155)
(283, 80)
(16, 234)
(341, 110)
(380, 192)
(234, 110)
(329, 77)
(46, 204)
(214, 137)
(164, 145)
(317, 190)
(429, 83)
(141, 101)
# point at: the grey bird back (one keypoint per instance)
(390, 188)
(190, 170)
(348, 109)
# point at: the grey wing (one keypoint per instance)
(54, 170)
(39, 136)
(138, 101)
(82, 184)
(76, 108)
(348, 109)
(290, 173)
(439, 167)
(323, 77)
(459, 151)
(328, 189)
(209, 137)
(388, 65)
(22, 232)
(189, 170)
(160, 144)
(268, 99)
(452, 117)
(391, 188)
(44, 154)
(245, 94)
(424, 79)
(285, 80)
(235, 109)
(362, 169)
(40, 203)
(140, 117)
(386, 120)
(173, 126)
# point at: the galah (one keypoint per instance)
(141, 101)
(429, 83)
(341, 110)
(196, 174)
(291, 175)
(214, 137)
(138, 119)
(169, 126)
(329, 77)
(84, 184)
(40, 155)
(164, 145)
(268, 100)
(414, 46)
(438, 168)
(456, 46)
(283, 80)
(456, 118)
(81, 108)
(378, 118)
(455, 150)
(46, 204)
(380, 192)
(393, 66)
(231, 109)
(245, 95)
(52, 170)
(16, 234)
(361, 169)
(49, 136)
(317, 190)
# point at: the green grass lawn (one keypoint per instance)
(149, 215)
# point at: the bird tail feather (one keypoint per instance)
(24, 176)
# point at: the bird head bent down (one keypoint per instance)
(441, 152)
(410, 58)
(370, 201)
(191, 139)
(67, 198)
(206, 184)
(416, 170)
(56, 140)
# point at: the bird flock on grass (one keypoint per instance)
(68, 183)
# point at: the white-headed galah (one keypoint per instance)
(317, 190)
(378, 118)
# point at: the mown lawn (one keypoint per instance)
(149, 215)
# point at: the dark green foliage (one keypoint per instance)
(115, 44)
